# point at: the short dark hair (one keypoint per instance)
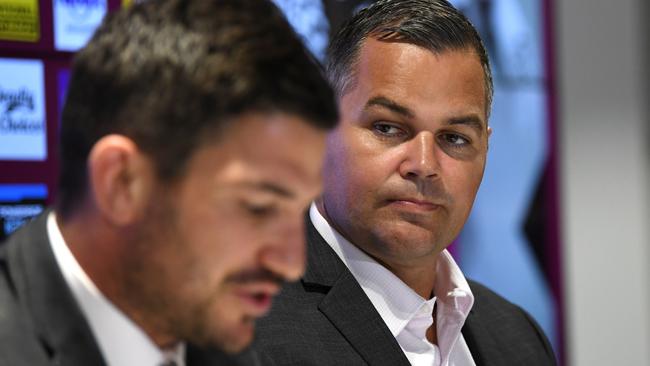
(433, 24)
(168, 73)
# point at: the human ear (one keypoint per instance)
(120, 178)
(489, 133)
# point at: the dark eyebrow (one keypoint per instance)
(271, 188)
(391, 105)
(472, 121)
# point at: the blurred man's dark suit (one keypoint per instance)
(326, 319)
(40, 322)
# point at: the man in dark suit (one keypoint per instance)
(401, 173)
(181, 197)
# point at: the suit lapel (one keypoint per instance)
(352, 313)
(347, 307)
(481, 341)
(57, 320)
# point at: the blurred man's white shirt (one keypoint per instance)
(120, 340)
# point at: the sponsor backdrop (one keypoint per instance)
(510, 242)
(37, 41)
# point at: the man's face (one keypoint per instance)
(403, 167)
(216, 245)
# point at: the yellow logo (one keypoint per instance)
(19, 20)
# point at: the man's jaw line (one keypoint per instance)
(402, 270)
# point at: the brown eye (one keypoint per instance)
(454, 140)
(259, 210)
(387, 129)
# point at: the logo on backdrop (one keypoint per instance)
(19, 20)
(75, 22)
(17, 109)
(81, 9)
(22, 110)
(18, 204)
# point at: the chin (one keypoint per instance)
(236, 340)
(233, 347)
(406, 238)
(406, 230)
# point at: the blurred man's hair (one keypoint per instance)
(432, 24)
(172, 74)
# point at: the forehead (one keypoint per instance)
(410, 73)
(260, 147)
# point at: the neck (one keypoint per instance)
(419, 273)
(420, 277)
(98, 248)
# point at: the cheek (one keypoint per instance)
(357, 166)
(360, 166)
(235, 239)
(464, 182)
(352, 181)
(218, 241)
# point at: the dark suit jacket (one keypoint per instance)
(40, 322)
(327, 319)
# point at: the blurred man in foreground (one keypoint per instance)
(191, 145)
(401, 173)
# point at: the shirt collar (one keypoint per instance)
(120, 340)
(395, 301)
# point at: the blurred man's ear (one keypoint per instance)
(121, 179)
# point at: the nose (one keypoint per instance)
(285, 253)
(420, 157)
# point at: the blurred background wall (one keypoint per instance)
(603, 80)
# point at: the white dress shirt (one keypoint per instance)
(407, 314)
(120, 340)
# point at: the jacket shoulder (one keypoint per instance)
(497, 328)
(19, 344)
